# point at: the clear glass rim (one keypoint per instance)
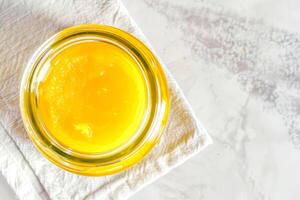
(96, 164)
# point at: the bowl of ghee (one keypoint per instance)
(94, 100)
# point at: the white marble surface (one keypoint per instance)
(238, 64)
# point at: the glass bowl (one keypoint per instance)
(96, 164)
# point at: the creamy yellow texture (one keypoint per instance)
(93, 97)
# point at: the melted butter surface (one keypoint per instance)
(93, 97)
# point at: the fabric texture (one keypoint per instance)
(25, 25)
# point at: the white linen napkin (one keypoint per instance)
(24, 26)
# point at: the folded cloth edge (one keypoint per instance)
(24, 182)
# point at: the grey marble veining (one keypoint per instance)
(238, 64)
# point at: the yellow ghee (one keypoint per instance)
(93, 97)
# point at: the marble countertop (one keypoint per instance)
(238, 63)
